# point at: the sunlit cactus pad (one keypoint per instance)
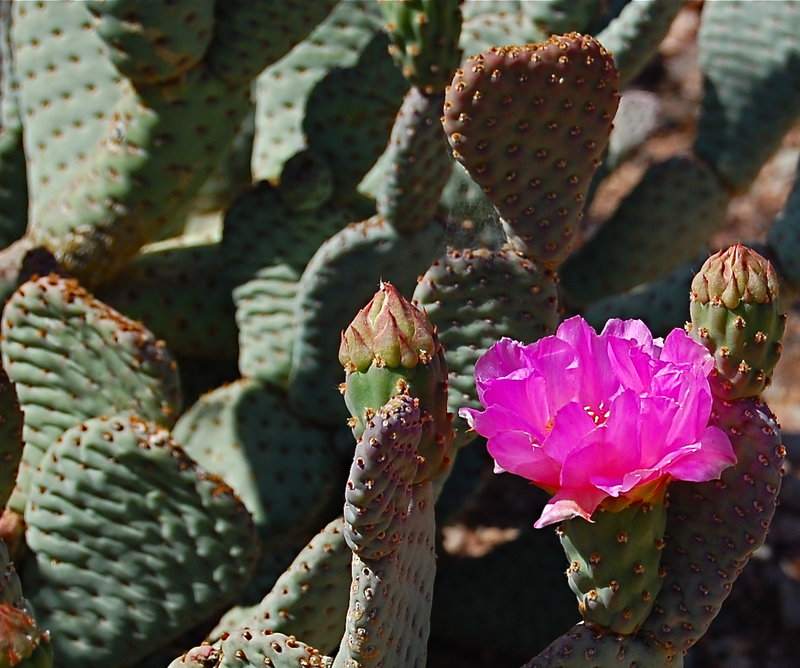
(113, 575)
(530, 124)
(59, 341)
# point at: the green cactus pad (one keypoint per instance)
(267, 243)
(750, 59)
(307, 599)
(157, 153)
(418, 163)
(714, 527)
(265, 317)
(249, 36)
(182, 287)
(72, 358)
(149, 43)
(635, 34)
(476, 297)
(530, 124)
(282, 469)
(306, 182)
(261, 230)
(179, 290)
(282, 90)
(665, 221)
(783, 239)
(586, 647)
(246, 648)
(425, 37)
(613, 564)
(55, 50)
(133, 542)
(489, 23)
(360, 102)
(345, 271)
(111, 165)
(554, 17)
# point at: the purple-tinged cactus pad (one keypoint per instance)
(714, 527)
(530, 124)
(389, 524)
(585, 647)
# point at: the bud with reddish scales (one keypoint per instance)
(388, 332)
(390, 348)
(736, 275)
(736, 314)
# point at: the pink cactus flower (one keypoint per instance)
(595, 419)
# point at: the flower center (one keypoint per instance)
(599, 415)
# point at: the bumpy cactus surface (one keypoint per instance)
(221, 447)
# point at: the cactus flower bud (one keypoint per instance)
(389, 332)
(392, 347)
(736, 275)
(736, 315)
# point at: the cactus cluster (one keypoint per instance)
(253, 255)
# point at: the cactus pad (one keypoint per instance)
(614, 564)
(152, 43)
(750, 59)
(72, 358)
(477, 297)
(530, 124)
(418, 163)
(390, 527)
(306, 597)
(714, 527)
(585, 647)
(245, 434)
(283, 89)
(133, 542)
(665, 221)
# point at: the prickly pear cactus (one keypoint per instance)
(530, 124)
(389, 527)
(199, 166)
(114, 577)
(58, 341)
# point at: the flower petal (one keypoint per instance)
(513, 451)
(705, 460)
(630, 330)
(571, 426)
(680, 348)
(569, 503)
